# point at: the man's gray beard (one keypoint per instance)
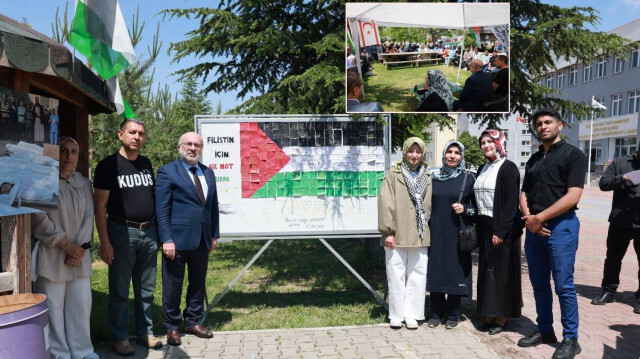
(183, 156)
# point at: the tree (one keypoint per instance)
(291, 51)
(541, 34)
(472, 154)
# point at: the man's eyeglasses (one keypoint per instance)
(190, 144)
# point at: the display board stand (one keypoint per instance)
(209, 307)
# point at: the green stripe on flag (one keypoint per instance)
(86, 31)
(329, 183)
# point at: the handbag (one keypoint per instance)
(468, 234)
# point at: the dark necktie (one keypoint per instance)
(197, 182)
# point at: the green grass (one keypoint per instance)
(294, 284)
(392, 88)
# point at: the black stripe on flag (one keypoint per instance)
(320, 134)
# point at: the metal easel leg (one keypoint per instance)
(209, 307)
(375, 294)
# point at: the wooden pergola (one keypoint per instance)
(33, 63)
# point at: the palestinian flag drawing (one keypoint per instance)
(291, 170)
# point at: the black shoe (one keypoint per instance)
(636, 309)
(537, 338)
(434, 322)
(451, 323)
(568, 349)
(603, 298)
(484, 326)
(496, 328)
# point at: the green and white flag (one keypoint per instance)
(99, 33)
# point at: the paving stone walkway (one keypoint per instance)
(610, 331)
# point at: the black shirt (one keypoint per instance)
(502, 79)
(130, 185)
(548, 178)
(625, 209)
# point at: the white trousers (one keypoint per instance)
(407, 281)
(69, 316)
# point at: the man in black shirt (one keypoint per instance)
(553, 183)
(501, 78)
(124, 189)
(624, 224)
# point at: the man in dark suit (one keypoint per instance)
(477, 89)
(188, 227)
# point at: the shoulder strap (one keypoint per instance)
(464, 181)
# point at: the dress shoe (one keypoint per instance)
(173, 337)
(395, 324)
(603, 298)
(568, 349)
(496, 328)
(537, 338)
(485, 325)
(199, 331)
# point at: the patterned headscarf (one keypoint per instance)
(445, 172)
(438, 83)
(499, 140)
(416, 182)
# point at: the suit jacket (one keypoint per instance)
(356, 106)
(182, 218)
(477, 89)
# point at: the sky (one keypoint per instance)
(40, 15)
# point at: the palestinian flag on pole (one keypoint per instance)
(100, 34)
(474, 32)
(291, 159)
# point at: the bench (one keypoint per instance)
(413, 62)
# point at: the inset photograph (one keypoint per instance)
(427, 57)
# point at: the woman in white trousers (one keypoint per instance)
(404, 207)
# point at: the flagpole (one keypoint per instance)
(590, 142)
(517, 143)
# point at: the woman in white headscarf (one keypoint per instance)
(404, 207)
(63, 263)
(449, 271)
(500, 228)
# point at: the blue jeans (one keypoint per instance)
(555, 256)
(135, 260)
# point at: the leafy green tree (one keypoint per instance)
(541, 33)
(290, 51)
(472, 155)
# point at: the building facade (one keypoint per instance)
(614, 82)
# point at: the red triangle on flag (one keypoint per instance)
(260, 158)
(520, 119)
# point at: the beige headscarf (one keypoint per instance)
(405, 148)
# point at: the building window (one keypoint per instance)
(525, 153)
(561, 79)
(618, 64)
(573, 75)
(526, 143)
(550, 81)
(523, 164)
(602, 67)
(526, 131)
(616, 104)
(634, 101)
(506, 133)
(587, 73)
(625, 146)
(571, 117)
(635, 59)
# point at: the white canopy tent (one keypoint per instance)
(431, 15)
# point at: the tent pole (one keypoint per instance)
(356, 43)
(461, 56)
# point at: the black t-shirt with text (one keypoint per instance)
(502, 78)
(130, 185)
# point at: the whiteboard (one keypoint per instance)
(296, 175)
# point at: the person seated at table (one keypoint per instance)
(477, 89)
(438, 96)
(485, 57)
(491, 67)
(452, 56)
(394, 50)
(468, 56)
(354, 91)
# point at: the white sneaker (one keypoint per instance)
(395, 324)
(411, 323)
